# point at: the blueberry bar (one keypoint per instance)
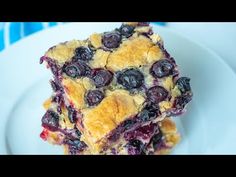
(112, 91)
(155, 138)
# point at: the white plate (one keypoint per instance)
(208, 127)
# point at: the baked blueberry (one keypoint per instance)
(94, 97)
(135, 147)
(50, 120)
(183, 84)
(161, 68)
(101, 77)
(75, 146)
(156, 94)
(130, 79)
(76, 69)
(126, 30)
(181, 101)
(83, 53)
(149, 112)
(111, 39)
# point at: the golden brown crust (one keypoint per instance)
(100, 59)
(64, 51)
(155, 38)
(168, 126)
(101, 120)
(47, 104)
(96, 40)
(75, 91)
(131, 53)
(154, 54)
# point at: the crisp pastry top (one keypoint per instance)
(137, 51)
(99, 121)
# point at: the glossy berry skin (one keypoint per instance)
(94, 97)
(156, 94)
(183, 84)
(77, 69)
(130, 79)
(111, 39)
(50, 120)
(102, 77)
(162, 68)
(181, 101)
(83, 53)
(126, 30)
(75, 146)
(149, 112)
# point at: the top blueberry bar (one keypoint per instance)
(124, 74)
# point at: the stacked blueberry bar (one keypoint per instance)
(114, 93)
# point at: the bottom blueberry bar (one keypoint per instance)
(148, 138)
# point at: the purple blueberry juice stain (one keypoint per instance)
(141, 133)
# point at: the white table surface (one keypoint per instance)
(220, 37)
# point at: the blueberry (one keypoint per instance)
(94, 97)
(83, 53)
(77, 69)
(75, 146)
(161, 68)
(130, 79)
(111, 39)
(78, 133)
(102, 77)
(156, 94)
(50, 120)
(135, 147)
(156, 140)
(149, 112)
(181, 101)
(72, 114)
(126, 30)
(127, 124)
(183, 84)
